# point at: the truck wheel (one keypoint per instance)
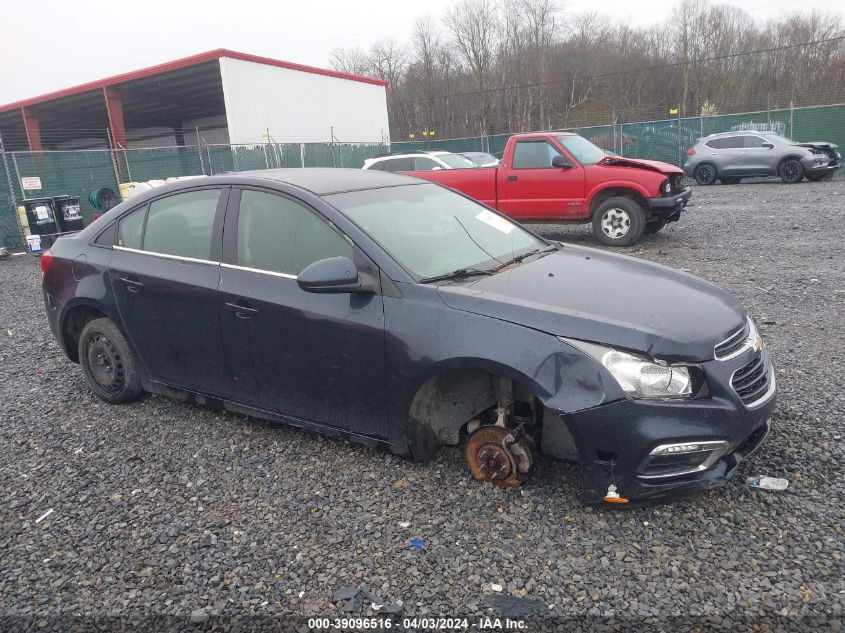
(618, 222)
(107, 363)
(705, 174)
(791, 171)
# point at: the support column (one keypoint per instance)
(33, 130)
(114, 109)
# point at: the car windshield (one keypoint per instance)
(432, 231)
(455, 161)
(584, 152)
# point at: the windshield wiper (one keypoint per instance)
(535, 251)
(457, 274)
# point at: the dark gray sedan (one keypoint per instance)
(732, 156)
(398, 313)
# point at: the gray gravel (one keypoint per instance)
(170, 513)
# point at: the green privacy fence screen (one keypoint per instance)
(81, 172)
(669, 139)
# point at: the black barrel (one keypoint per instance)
(41, 216)
(68, 213)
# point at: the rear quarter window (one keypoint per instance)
(106, 236)
(131, 228)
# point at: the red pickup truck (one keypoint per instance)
(557, 177)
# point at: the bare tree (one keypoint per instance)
(354, 61)
(473, 26)
(504, 65)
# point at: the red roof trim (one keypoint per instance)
(185, 62)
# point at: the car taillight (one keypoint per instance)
(690, 151)
(46, 262)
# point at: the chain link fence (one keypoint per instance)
(668, 139)
(82, 172)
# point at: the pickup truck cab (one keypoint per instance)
(555, 177)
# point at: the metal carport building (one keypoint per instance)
(232, 97)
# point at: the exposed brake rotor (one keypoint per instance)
(491, 456)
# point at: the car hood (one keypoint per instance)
(651, 165)
(596, 296)
(818, 145)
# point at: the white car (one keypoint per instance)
(419, 161)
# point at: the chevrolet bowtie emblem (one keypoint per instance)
(758, 344)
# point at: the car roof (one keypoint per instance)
(735, 132)
(327, 180)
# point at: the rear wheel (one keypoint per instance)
(107, 363)
(791, 171)
(618, 222)
(705, 174)
(730, 181)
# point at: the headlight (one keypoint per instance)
(640, 377)
(667, 187)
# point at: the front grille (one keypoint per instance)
(751, 381)
(732, 344)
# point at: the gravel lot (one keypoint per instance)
(163, 511)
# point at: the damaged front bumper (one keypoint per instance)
(653, 450)
(670, 207)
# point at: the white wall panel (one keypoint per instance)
(299, 107)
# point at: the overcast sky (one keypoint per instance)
(49, 45)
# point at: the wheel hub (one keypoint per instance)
(490, 459)
(105, 363)
(615, 223)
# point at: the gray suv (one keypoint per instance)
(731, 156)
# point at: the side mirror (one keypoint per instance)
(768, 145)
(334, 275)
(561, 162)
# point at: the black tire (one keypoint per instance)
(730, 181)
(108, 364)
(705, 174)
(791, 171)
(619, 222)
(655, 226)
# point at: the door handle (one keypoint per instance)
(512, 178)
(132, 285)
(242, 312)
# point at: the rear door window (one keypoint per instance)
(423, 163)
(725, 142)
(280, 235)
(533, 155)
(402, 164)
(131, 228)
(182, 224)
